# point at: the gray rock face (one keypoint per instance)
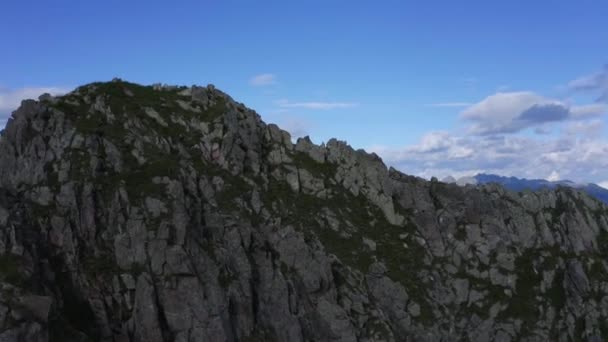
(132, 213)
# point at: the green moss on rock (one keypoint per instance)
(11, 269)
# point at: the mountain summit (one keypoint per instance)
(161, 213)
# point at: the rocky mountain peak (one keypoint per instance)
(167, 213)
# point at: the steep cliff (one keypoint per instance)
(132, 213)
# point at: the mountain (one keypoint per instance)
(162, 213)
(519, 184)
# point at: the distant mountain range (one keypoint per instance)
(520, 184)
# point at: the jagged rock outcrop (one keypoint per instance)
(132, 213)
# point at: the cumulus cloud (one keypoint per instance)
(315, 105)
(544, 113)
(574, 157)
(570, 141)
(591, 128)
(603, 184)
(514, 111)
(433, 142)
(588, 111)
(432, 148)
(502, 106)
(263, 80)
(596, 83)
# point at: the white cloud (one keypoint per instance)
(577, 158)
(263, 80)
(588, 111)
(569, 142)
(315, 105)
(501, 106)
(591, 128)
(603, 184)
(596, 83)
(10, 99)
(433, 141)
(554, 176)
(585, 82)
(514, 111)
(449, 104)
(460, 152)
(498, 113)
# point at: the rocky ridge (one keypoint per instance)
(162, 213)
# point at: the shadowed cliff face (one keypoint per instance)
(131, 213)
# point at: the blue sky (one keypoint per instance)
(435, 87)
